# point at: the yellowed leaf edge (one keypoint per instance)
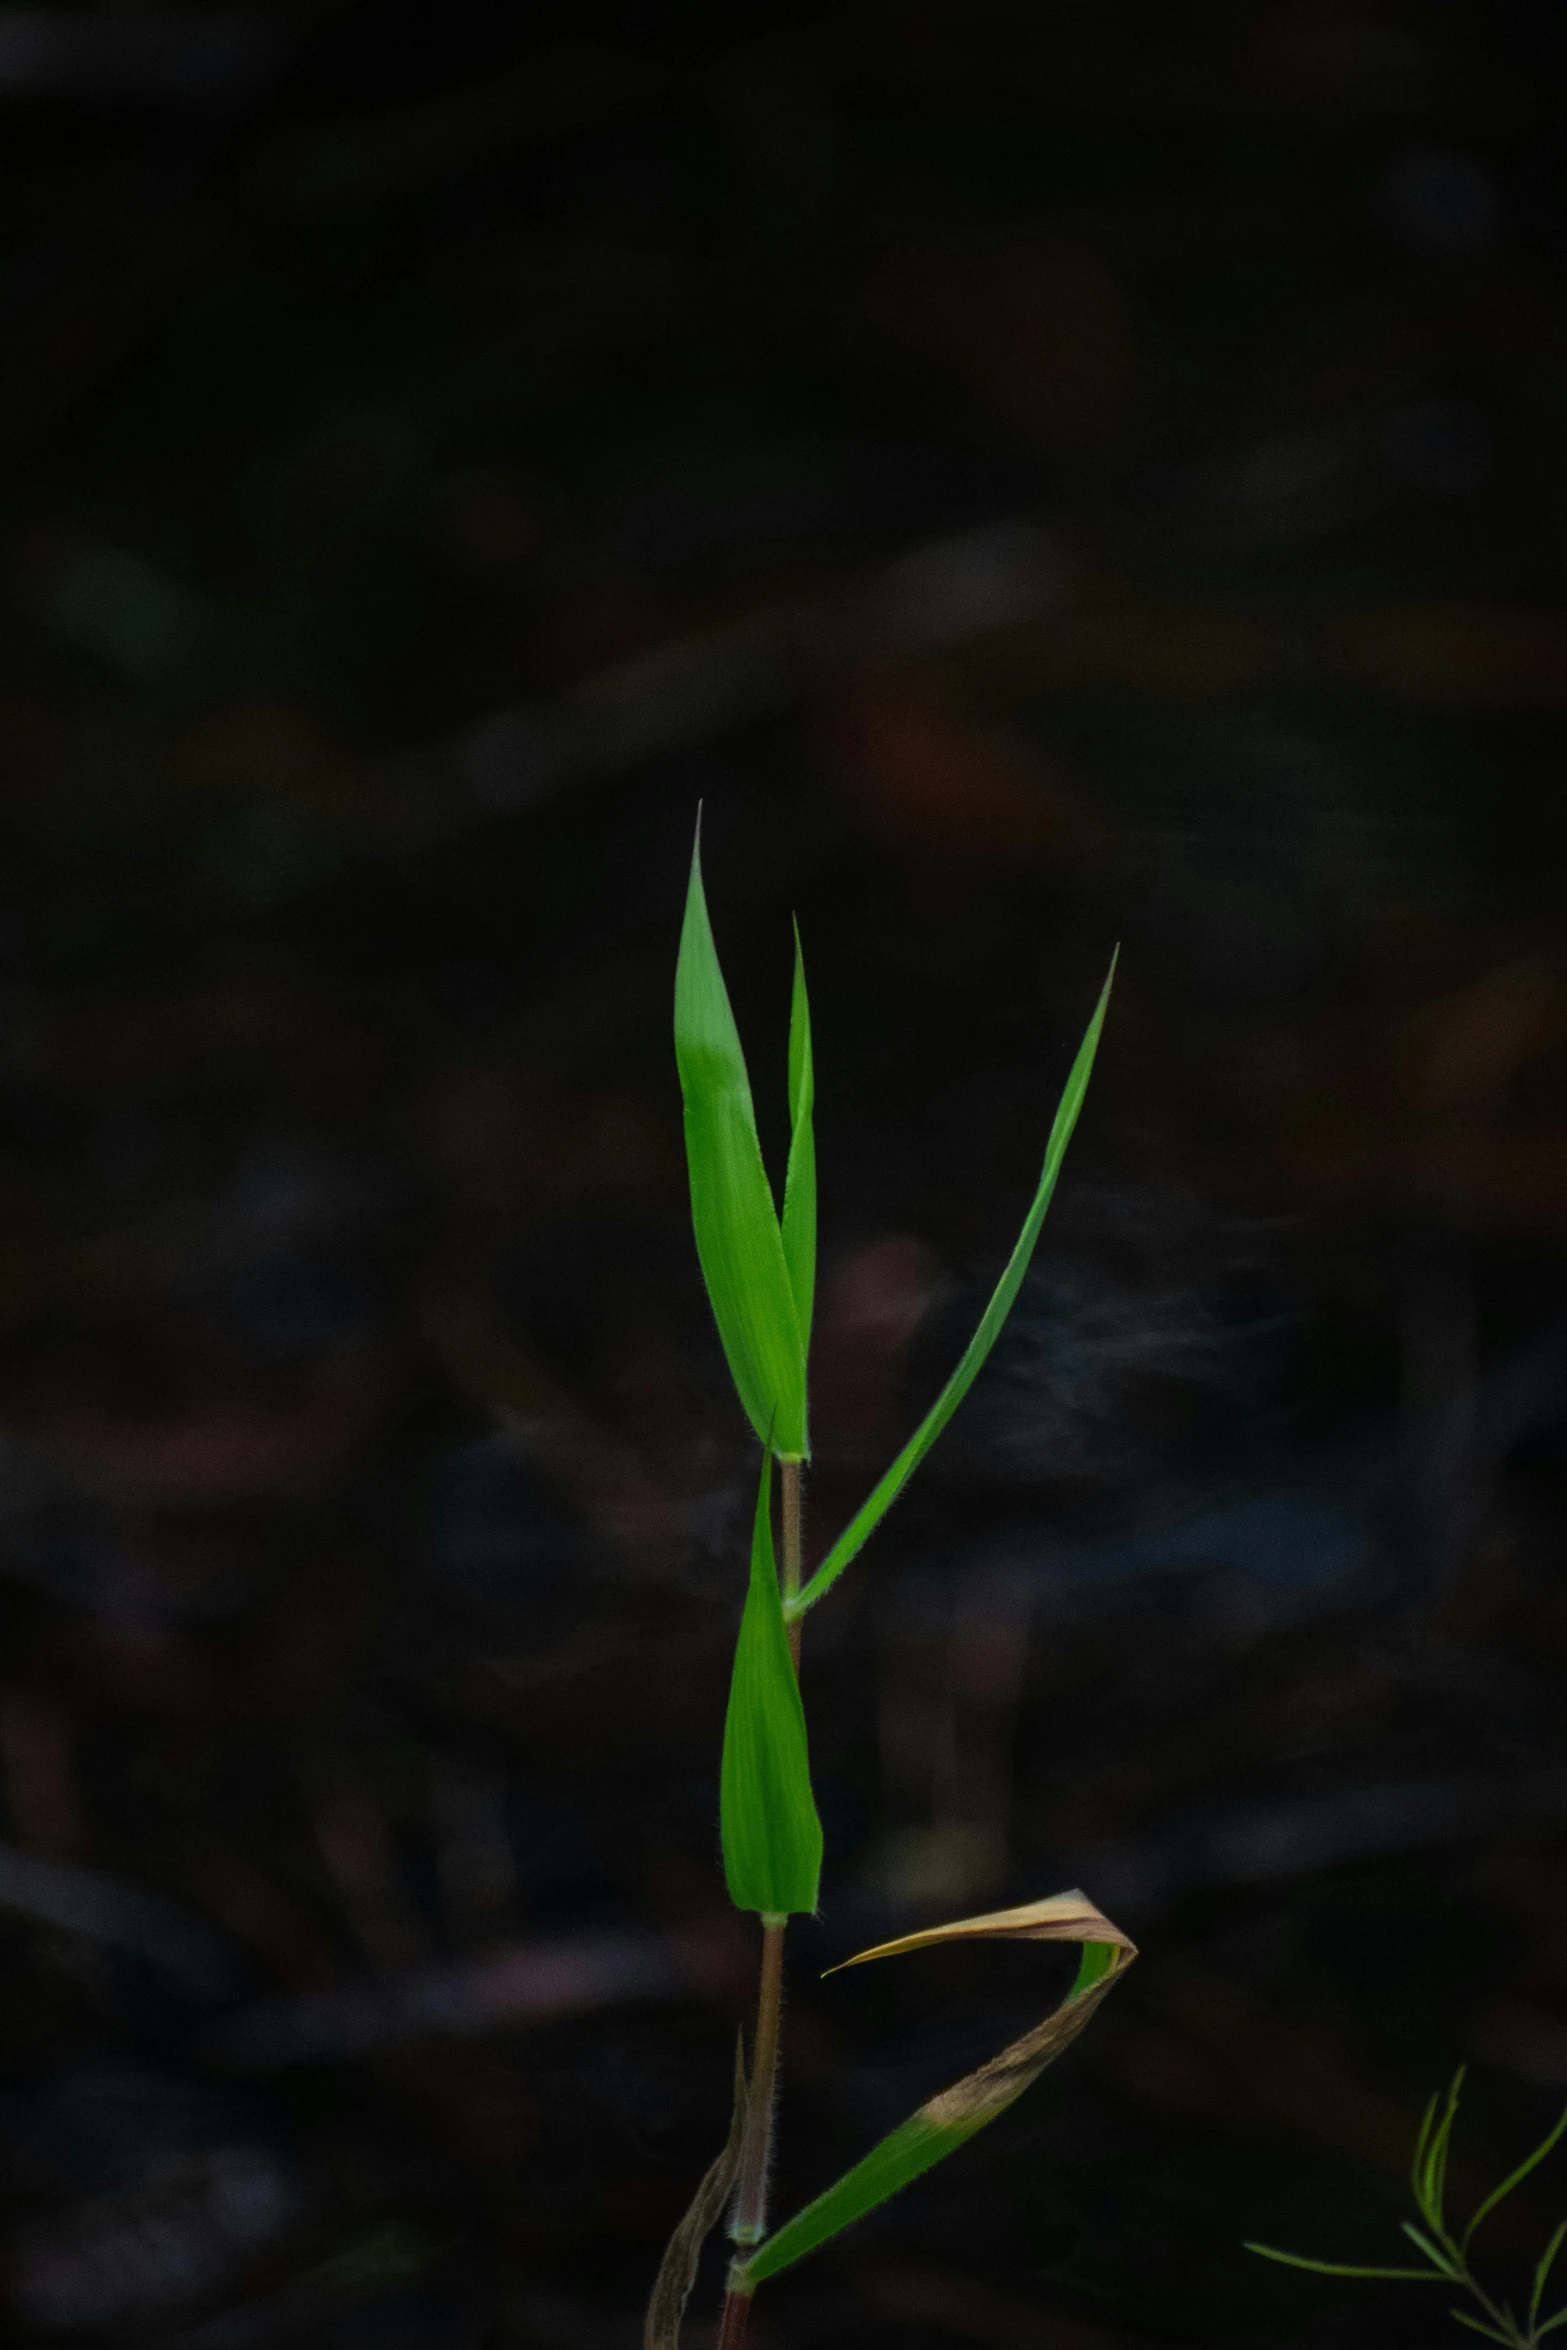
(1060, 1917)
(948, 2119)
(992, 2087)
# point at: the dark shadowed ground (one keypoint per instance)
(1043, 476)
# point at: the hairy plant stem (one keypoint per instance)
(749, 2225)
(750, 2216)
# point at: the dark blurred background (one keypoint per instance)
(1043, 476)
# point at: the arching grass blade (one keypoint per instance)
(1542, 2271)
(1492, 2333)
(871, 1512)
(1516, 2177)
(948, 2121)
(1344, 2268)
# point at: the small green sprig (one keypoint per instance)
(1445, 2257)
(759, 1265)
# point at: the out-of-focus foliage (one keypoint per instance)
(1444, 2254)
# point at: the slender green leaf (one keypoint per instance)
(799, 1208)
(1344, 2268)
(1551, 2324)
(732, 1210)
(1417, 2161)
(873, 1510)
(1430, 2181)
(1476, 2326)
(913, 2147)
(771, 1834)
(1514, 2178)
(949, 2120)
(1433, 2252)
(1542, 2271)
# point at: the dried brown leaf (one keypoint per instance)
(677, 2271)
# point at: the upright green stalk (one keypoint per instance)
(759, 1266)
(749, 2224)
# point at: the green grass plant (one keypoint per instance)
(759, 1267)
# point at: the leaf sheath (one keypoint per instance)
(772, 1836)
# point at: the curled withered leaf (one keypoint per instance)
(944, 2122)
(1062, 1917)
(677, 2271)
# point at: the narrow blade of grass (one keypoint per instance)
(1542, 2271)
(949, 2120)
(772, 1837)
(732, 1210)
(914, 2147)
(799, 1208)
(1430, 2182)
(871, 1512)
(1417, 2161)
(1433, 2251)
(1345, 2268)
(1516, 2177)
(1492, 2333)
